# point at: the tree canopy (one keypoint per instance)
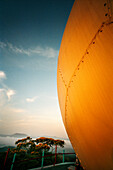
(36, 146)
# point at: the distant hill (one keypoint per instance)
(5, 148)
(54, 137)
(16, 135)
(19, 135)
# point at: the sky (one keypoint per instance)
(30, 36)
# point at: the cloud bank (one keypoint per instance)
(45, 52)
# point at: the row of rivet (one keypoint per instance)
(92, 42)
(87, 51)
(109, 13)
(60, 72)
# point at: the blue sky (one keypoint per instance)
(30, 37)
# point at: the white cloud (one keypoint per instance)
(2, 45)
(50, 52)
(5, 96)
(18, 50)
(10, 93)
(45, 52)
(30, 100)
(5, 91)
(2, 75)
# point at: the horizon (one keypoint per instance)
(25, 135)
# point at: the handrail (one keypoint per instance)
(44, 157)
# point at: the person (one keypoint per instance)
(77, 164)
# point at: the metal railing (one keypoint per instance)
(42, 158)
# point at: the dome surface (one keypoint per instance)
(85, 82)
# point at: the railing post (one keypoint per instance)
(42, 159)
(55, 154)
(13, 161)
(6, 158)
(63, 155)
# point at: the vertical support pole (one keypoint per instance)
(42, 159)
(6, 158)
(63, 155)
(55, 154)
(13, 161)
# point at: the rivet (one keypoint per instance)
(105, 4)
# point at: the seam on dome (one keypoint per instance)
(69, 84)
(87, 51)
(106, 23)
(81, 61)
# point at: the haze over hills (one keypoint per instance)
(8, 141)
(21, 135)
(17, 135)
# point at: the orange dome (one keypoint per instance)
(85, 82)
